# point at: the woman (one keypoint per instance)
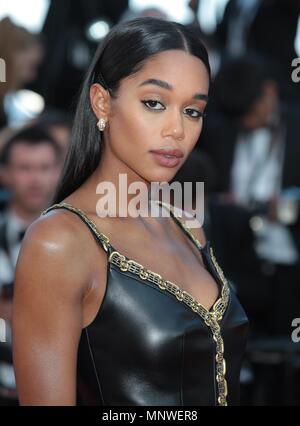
(149, 318)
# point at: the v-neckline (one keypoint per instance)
(146, 272)
(110, 249)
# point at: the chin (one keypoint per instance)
(162, 176)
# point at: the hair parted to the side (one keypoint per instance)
(123, 52)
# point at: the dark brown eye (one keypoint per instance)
(152, 103)
(198, 115)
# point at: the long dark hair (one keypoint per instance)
(121, 53)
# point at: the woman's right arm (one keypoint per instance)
(50, 282)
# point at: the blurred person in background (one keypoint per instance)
(265, 27)
(29, 162)
(252, 139)
(59, 125)
(22, 53)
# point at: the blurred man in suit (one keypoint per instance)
(30, 164)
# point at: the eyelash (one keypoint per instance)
(145, 101)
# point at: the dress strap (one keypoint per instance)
(181, 223)
(102, 238)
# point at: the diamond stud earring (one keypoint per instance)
(101, 124)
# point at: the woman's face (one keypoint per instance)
(162, 114)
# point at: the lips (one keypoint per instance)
(169, 152)
(167, 157)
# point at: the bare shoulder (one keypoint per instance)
(55, 232)
(54, 243)
(60, 225)
(55, 228)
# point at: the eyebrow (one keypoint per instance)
(165, 85)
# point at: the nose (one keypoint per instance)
(174, 126)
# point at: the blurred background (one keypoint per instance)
(248, 155)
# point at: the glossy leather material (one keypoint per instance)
(146, 347)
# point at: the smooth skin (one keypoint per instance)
(61, 271)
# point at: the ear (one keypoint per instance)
(100, 101)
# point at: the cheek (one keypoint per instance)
(130, 130)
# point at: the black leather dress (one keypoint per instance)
(153, 344)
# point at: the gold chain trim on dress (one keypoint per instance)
(220, 361)
(211, 318)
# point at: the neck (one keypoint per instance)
(114, 189)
